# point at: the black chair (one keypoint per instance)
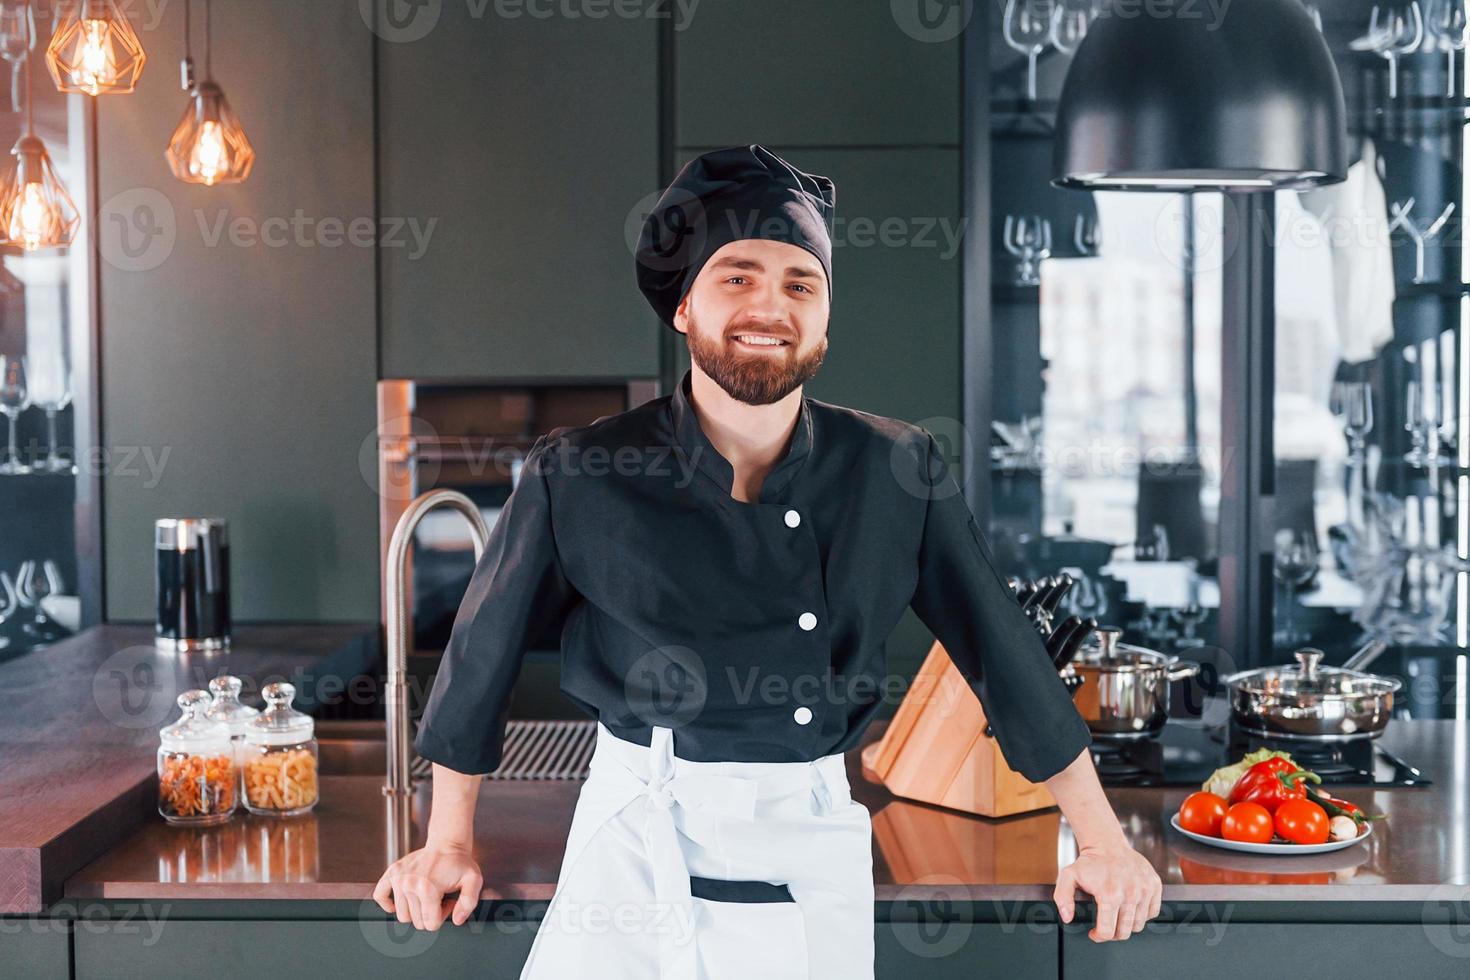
(1296, 479)
(1169, 494)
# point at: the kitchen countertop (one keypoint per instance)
(80, 729)
(1421, 853)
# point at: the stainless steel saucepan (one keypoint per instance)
(1309, 701)
(1125, 688)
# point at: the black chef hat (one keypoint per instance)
(723, 196)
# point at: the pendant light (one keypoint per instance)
(95, 50)
(35, 210)
(209, 145)
(1177, 98)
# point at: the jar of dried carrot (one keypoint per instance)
(280, 768)
(198, 782)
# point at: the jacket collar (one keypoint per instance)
(698, 449)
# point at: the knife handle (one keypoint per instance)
(1059, 636)
(1054, 598)
(1074, 643)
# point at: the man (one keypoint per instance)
(723, 566)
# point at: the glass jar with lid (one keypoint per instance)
(280, 768)
(198, 782)
(227, 707)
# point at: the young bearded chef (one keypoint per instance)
(723, 566)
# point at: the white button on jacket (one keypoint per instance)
(802, 715)
(807, 621)
(792, 518)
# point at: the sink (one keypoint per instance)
(534, 749)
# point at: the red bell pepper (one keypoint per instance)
(1271, 783)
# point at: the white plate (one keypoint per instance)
(1250, 848)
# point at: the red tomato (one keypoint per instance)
(1201, 813)
(1247, 822)
(1302, 822)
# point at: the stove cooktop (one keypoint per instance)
(1187, 751)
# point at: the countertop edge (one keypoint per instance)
(541, 892)
(43, 870)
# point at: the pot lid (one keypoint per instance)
(1309, 676)
(1105, 651)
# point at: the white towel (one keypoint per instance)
(1362, 256)
(1308, 340)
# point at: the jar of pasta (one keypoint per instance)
(280, 769)
(198, 782)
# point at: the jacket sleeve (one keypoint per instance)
(516, 595)
(969, 608)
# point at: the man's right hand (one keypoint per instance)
(414, 887)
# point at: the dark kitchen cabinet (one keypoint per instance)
(819, 73)
(524, 147)
(935, 940)
(1213, 947)
(255, 948)
(35, 948)
(494, 949)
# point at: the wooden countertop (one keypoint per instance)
(920, 852)
(80, 729)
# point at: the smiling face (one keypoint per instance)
(756, 319)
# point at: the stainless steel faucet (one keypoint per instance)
(399, 782)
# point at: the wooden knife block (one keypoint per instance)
(936, 751)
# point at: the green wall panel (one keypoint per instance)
(238, 343)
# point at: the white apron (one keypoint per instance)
(647, 820)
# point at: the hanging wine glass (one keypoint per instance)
(9, 606)
(1352, 401)
(1445, 20)
(1405, 35)
(1086, 234)
(15, 397)
(1418, 423)
(1028, 238)
(1420, 236)
(17, 36)
(1027, 29)
(1294, 564)
(51, 392)
(1070, 20)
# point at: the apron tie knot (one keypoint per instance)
(661, 796)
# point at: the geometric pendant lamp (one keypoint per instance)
(209, 145)
(1179, 98)
(95, 50)
(35, 210)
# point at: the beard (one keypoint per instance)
(753, 378)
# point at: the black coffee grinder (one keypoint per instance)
(192, 560)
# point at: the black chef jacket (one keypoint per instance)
(754, 630)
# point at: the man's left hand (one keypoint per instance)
(1122, 882)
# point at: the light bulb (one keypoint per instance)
(95, 68)
(32, 219)
(209, 157)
